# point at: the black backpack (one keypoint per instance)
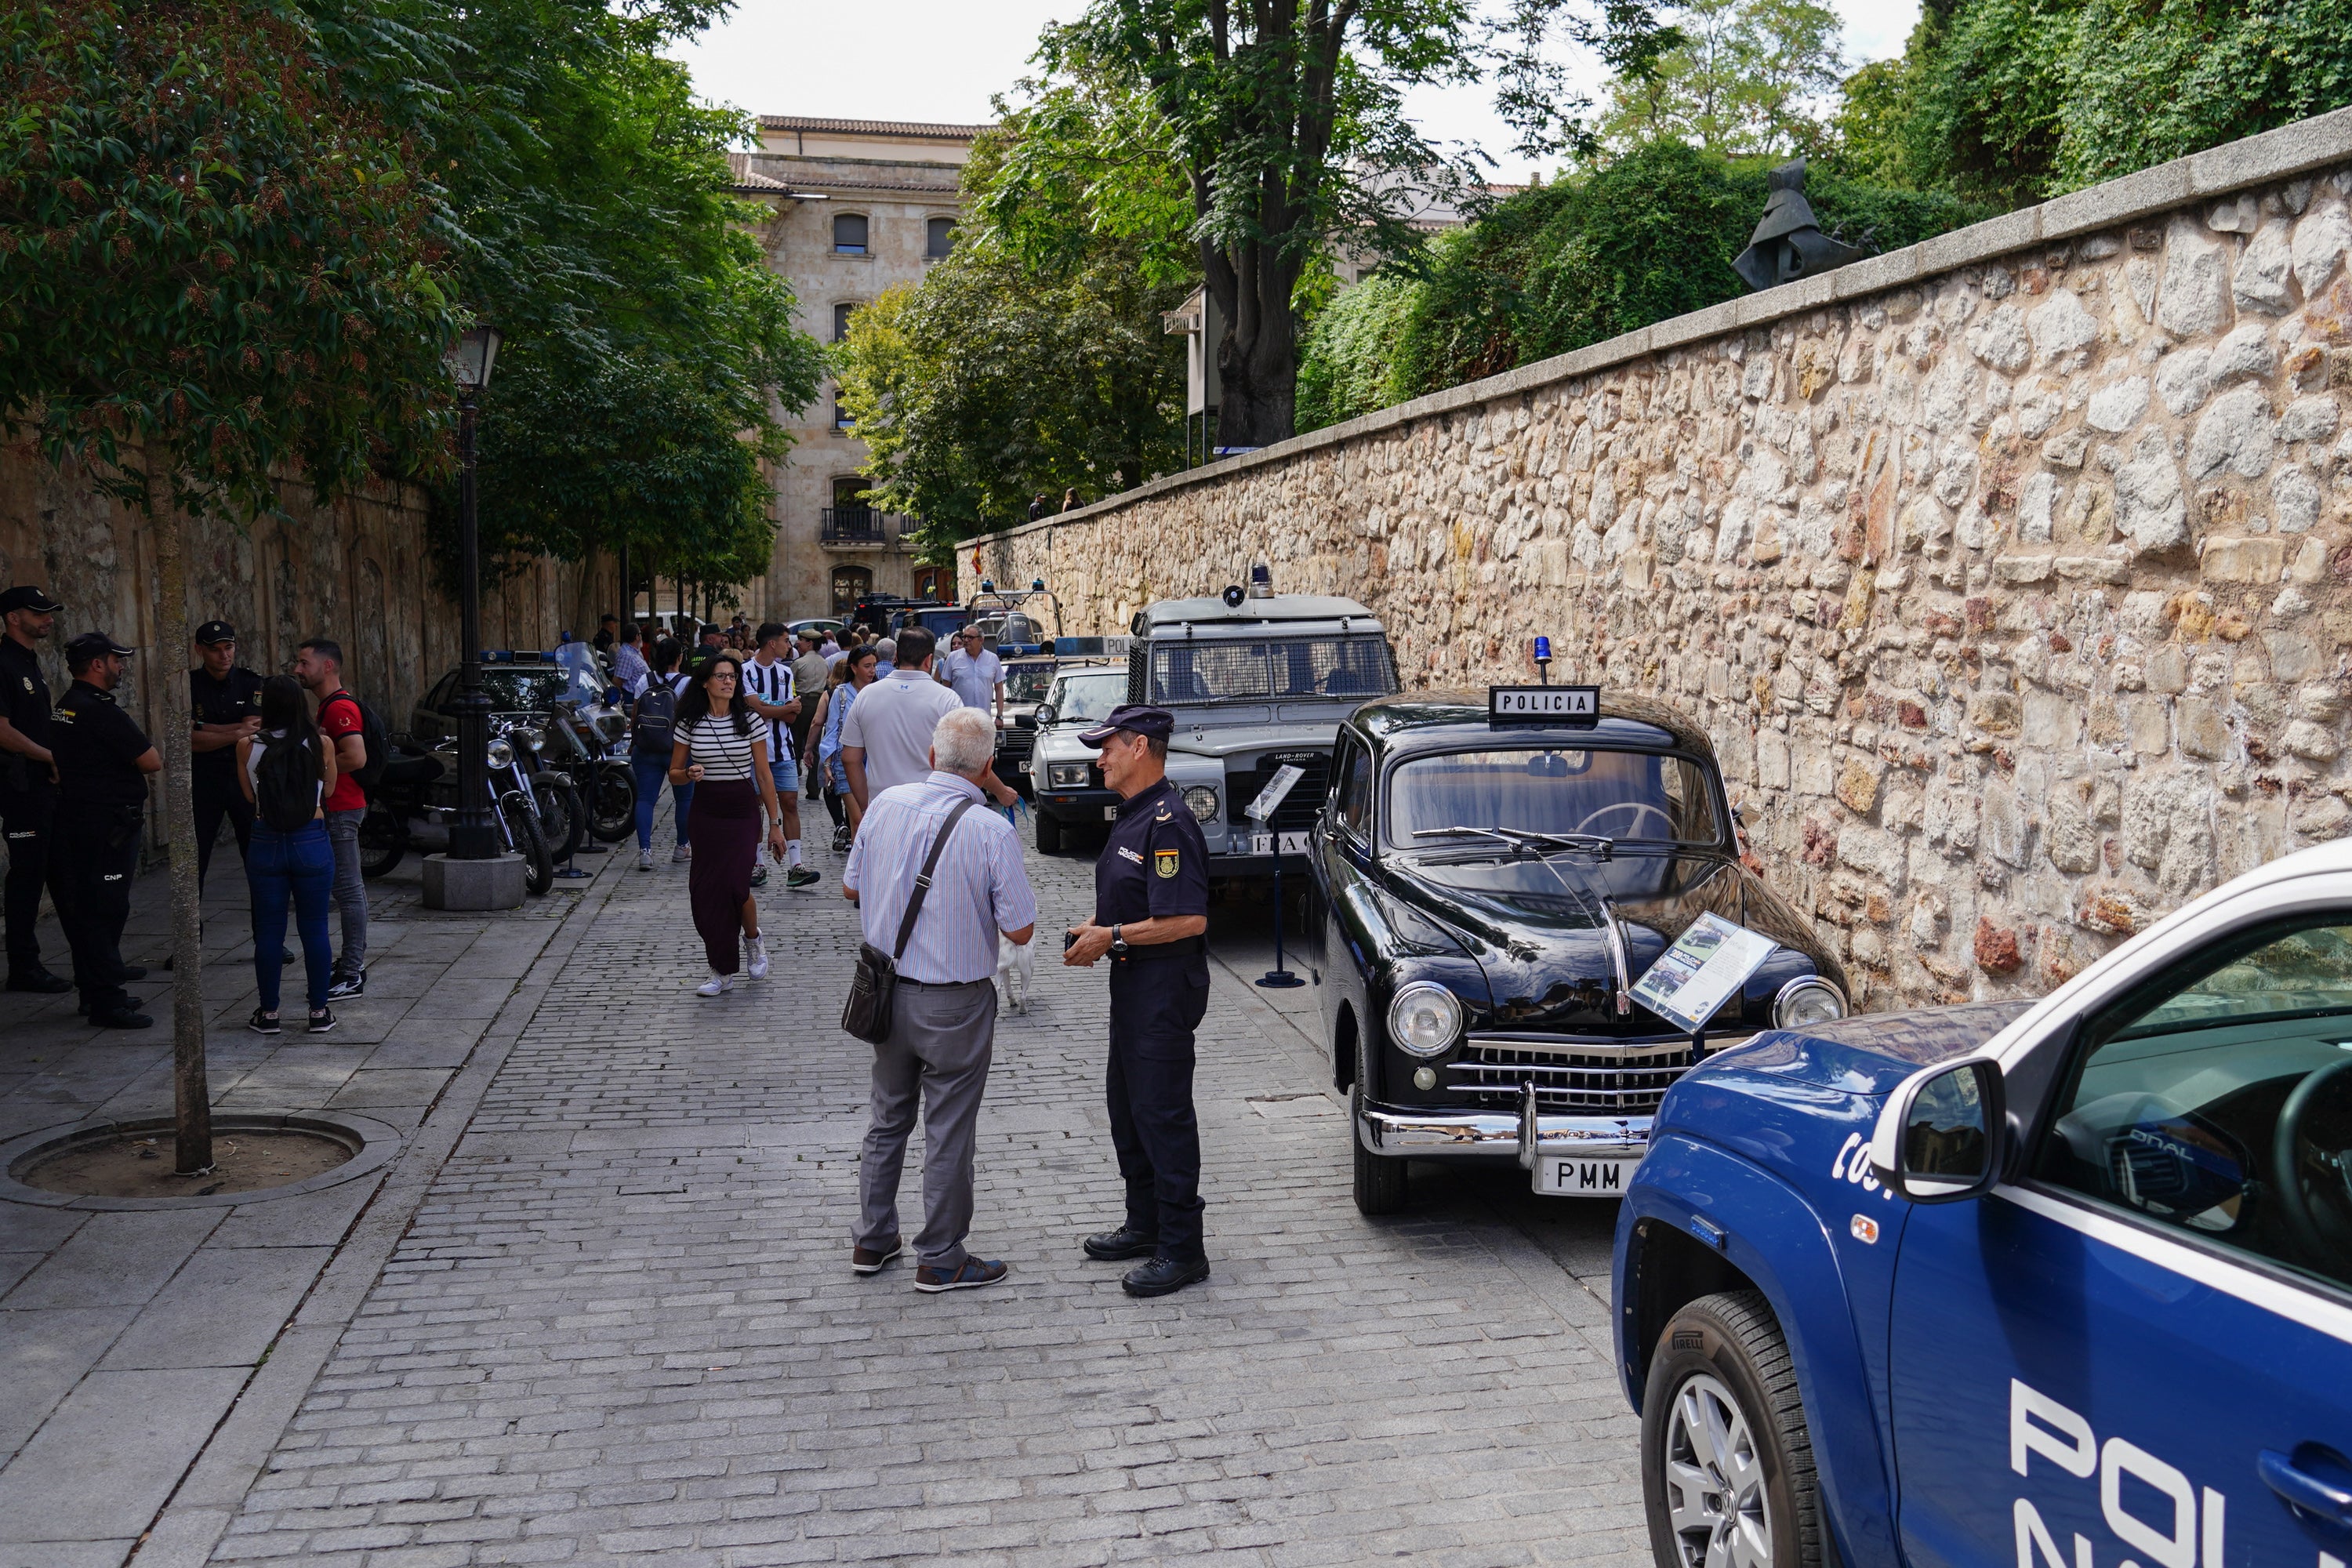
(285, 784)
(656, 722)
(374, 738)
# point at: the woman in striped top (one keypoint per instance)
(721, 749)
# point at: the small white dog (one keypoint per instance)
(1016, 973)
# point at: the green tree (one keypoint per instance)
(1743, 79)
(218, 270)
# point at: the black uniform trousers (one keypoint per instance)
(28, 819)
(1155, 1006)
(97, 854)
(217, 798)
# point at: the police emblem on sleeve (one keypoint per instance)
(1164, 862)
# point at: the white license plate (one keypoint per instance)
(1110, 814)
(1565, 1175)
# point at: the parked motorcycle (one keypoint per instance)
(416, 800)
(585, 738)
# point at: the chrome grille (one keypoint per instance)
(1595, 1074)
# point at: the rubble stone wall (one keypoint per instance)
(2010, 573)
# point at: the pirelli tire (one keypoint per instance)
(1727, 1477)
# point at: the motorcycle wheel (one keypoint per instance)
(383, 840)
(561, 820)
(523, 833)
(614, 815)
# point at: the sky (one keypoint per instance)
(942, 60)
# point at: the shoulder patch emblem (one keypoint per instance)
(1164, 862)
(1165, 815)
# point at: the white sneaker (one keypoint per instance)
(717, 985)
(645, 859)
(755, 957)
(681, 855)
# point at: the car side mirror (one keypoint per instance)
(1943, 1135)
(1044, 714)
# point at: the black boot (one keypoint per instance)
(36, 978)
(1110, 1245)
(1164, 1275)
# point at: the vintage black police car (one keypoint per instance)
(1489, 891)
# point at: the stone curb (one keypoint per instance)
(198, 1512)
(379, 1142)
(2302, 148)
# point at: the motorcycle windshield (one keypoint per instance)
(584, 681)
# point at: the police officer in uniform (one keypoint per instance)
(28, 782)
(224, 705)
(103, 762)
(1151, 908)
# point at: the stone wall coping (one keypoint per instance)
(2307, 146)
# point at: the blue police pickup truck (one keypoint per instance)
(2062, 1284)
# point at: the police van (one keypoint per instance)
(2062, 1284)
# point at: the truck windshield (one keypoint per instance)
(1027, 683)
(1089, 697)
(1629, 796)
(1223, 671)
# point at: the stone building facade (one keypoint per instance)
(2010, 573)
(859, 205)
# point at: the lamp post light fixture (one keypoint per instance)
(474, 836)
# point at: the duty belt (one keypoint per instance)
(1152, 953)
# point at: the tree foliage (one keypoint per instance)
(1745, 78)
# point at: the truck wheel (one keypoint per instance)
(1727, 1461)
(1380, 1179)
(1049, 835)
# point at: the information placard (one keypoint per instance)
(1280, 784)
(1696, 976)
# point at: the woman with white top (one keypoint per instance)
(285, 773)
(722, 750)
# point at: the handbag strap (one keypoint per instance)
(923, 878)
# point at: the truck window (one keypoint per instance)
(1218, 671)
(2223, 1106)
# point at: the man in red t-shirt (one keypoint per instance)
(320, 666)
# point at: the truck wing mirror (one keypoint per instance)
(1941, 1137)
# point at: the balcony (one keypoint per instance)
(863, 528)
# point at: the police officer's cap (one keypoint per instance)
(94, 645)
(213, 632)
(24, 597)
(1153, 724)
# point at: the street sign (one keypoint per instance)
(1285, 777)
(1574, 705)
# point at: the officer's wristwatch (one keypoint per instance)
(1118, 943)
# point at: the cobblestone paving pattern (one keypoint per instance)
(623, 1328)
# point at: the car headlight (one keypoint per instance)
(501, 754)
(1065, 775)
(1203, 802)
(1805, 1002)
(1425, 1018)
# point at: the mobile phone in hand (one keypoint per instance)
(1069, 940)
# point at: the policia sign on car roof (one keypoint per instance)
(1578, 707)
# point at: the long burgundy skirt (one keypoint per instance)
(725, 821)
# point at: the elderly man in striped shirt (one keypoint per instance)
(943, 1013)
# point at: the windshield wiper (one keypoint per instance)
(1521, 840)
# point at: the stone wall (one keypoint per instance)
(2010, 573)
(357, 571)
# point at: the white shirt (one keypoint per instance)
(772, 684)
(975, 680)
(978, 889)
(893, 719)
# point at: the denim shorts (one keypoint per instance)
(787, 771)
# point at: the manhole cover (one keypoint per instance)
(129, 1165)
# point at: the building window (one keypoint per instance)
(939, 238)
(841, 420)
(849, 233)
(841, 314)
(850, 584)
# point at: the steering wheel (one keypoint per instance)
(1637, 807)
(2321, 1218)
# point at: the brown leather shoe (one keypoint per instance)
(866, 1260)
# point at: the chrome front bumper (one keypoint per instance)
(1526, 1137)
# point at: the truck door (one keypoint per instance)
(2142, 1351)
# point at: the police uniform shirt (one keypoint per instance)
(1156, 863)
(231, 700)
(25, 703)
(98, 748)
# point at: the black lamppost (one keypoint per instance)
(474, 837)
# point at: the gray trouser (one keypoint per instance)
(941, 1037)
(350, 891)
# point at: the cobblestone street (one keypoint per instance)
(622, 1324)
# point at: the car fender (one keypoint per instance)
(1784, 1248)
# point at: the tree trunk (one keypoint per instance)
(192, 1102)
(1257, 359)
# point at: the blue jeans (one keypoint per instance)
(299, 868)
(651, 769)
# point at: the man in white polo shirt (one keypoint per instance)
(974, 673)
(887, 738)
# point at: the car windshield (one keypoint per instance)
(1221, 670)
(1027, 683)
(1629, 796)
(1090, 696)
(525, 688)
